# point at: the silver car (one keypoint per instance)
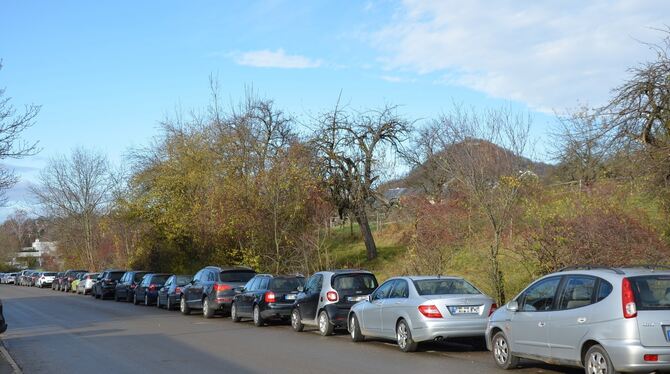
(606, 320)
(411, 310)
(85, 286)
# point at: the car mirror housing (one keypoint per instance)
(513, 306)
(370, 298)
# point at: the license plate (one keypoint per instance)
(290, 297)
(356, 298)
(464, 309)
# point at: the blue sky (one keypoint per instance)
(106, 72)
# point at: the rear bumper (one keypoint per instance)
(338, 315)
(445, 329)
(628, 356)
(276, 310)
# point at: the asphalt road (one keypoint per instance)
(52, 332)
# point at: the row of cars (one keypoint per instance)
(606, 320)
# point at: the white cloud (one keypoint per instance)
(549, 55)
(396, 79)
(274, 59)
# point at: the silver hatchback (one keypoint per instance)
(606, 320)
(411, 310)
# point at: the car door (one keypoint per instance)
(195, 289)
(371, 318)
(310, 302)
(163, 291)
(570, 322)
(393, 307)
(529, 333)
(247, 296)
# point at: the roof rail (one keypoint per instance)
(649, 266)
(591, 267)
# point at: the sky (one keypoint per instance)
(105, 73)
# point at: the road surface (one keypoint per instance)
(52, 332)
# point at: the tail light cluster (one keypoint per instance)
(218, 287)
(430, 311)
(332, 296)
(177, 290)
(628, 299)
(152, 287)
(270, 297)
(494, 307)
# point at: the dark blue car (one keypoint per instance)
(147, 290)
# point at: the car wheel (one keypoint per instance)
(183, 307)
(168, 304)
(597, 361)
(325, 327)
(258, 320)
(116, 298)
(355, 329)
(233, 313)
(502, 354)
(146, 300)
(158, 302)
(404, 337)
(296, 320)
(135, 302)
(97, 296)
(207, 312)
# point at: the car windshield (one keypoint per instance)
(183, 280)
(236, 276)
(444, 287)
(358, 282)
(286, 284)
(652, 292)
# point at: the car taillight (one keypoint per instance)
(222, 287)
(177, 290)
(628, 299)
(651, 358)
(132, 286)
(152, 287)
(494, 307)
(332, 296)
(270, 297)
(430, 311)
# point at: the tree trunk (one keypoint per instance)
(370, 246)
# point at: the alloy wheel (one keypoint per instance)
(323, 322)
(597, 364)
(352, 327)
(500, 350)
(402, 335)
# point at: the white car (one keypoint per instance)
(45, 279)
(86, 284)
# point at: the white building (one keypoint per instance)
(38, 249)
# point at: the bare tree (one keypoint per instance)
(484, 155)
(19, 225)
(78, 189)
(351, 146)
(12, 126)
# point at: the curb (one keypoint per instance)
(8, 357)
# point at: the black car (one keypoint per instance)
(106, 283)
(66, 280)
(169, 294)
(147, 290)
(57, 280)
(212, 289)
(3, 324)
(125, 289)
(267, 297)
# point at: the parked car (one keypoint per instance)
(11, 278)
(212, 289)
(65, 283)
(606, 320)
(45, 279)
(34, 276)
(23, 277)
(327, 298)
(147, 291)
(266, 297)
(86, 284)
(169, 294)
(75, 283)
(411, 310)
(125, 289)
(3, 324)
(105, 284)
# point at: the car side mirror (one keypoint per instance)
(513, 306)
(370, 298)
(301, 289)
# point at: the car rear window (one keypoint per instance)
(139, 275)
(183, 280)
(236, 276)
(116, 275)
(286, 284)
(159, 279)
(445, 287)
(354, 282)
(652, 292)
(49, 274)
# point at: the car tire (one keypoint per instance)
(404, 337)
(135, 302)
(597, 360)
(296, 321)
(502, 354)
(146, 300)
(207, 312)
(258, 319)
(233, 313)
(168, 304)
(97, 296)
(158, 301)
(116, 297)
(355, 329)
(325, 327)
(185, 310)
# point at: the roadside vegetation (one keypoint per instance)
(253, 185)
